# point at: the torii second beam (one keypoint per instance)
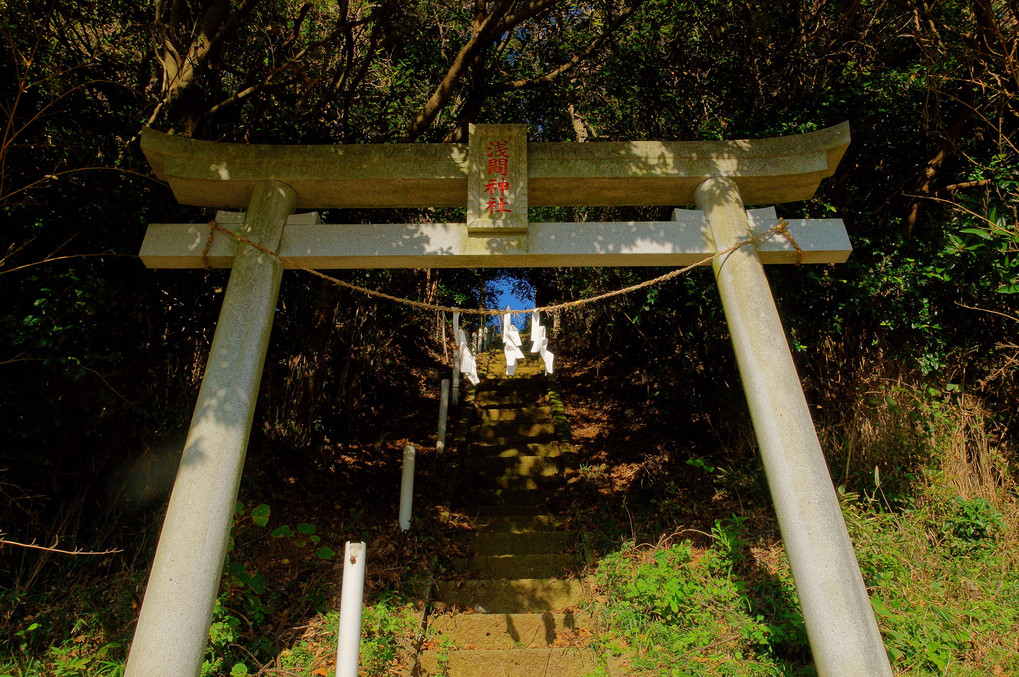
(310, 244)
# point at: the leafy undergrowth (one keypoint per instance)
(674, 608)
(691, 575)
(276, 610)
(387, 626)
(942, 579)
(944, 583)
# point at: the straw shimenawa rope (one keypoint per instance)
(781, 229)
(208, 245)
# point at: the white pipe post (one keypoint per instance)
(348, 645)
(440, 444)
(173, 625)
(843, 633)
(407, 486)
(445, 348)
(456, 376)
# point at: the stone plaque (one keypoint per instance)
(497, 180)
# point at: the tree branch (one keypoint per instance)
(956, 187)
(4, 541)
(229, 26)
(930, 170)
(216, 26)
(552, 76)
(477, 97)
(4, 197)
(352, 84)
(440, 97)
(529, 10)
(236, 98)
(1014, 318)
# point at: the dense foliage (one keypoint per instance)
(101, 359)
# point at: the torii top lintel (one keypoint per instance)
(767, 171)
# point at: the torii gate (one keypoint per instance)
(499, 173)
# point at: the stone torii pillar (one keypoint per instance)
(499, 174)
(837, 614)
(176, 613)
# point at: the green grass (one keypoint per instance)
(673, 609)
(941, 573)
(246, 634)
(934, 520)
(944, 583)
(386, 626)
(84, 654)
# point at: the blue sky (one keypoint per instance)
(506, 297)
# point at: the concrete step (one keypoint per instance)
(505, 466)
(534, 389)
(519, 566)
(513, 482)
(510, 398)
(489, 438)
(530, 402)
(528, 543)
(533, 432)
(562, 662)
(535, 413)
(478, 495)
(532, 369)
(522, 448)
(518, 524)
(519, 381)
(510, 631)
(521, 595)
(531, 384)
(508, 510)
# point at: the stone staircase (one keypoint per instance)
(511, 610)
